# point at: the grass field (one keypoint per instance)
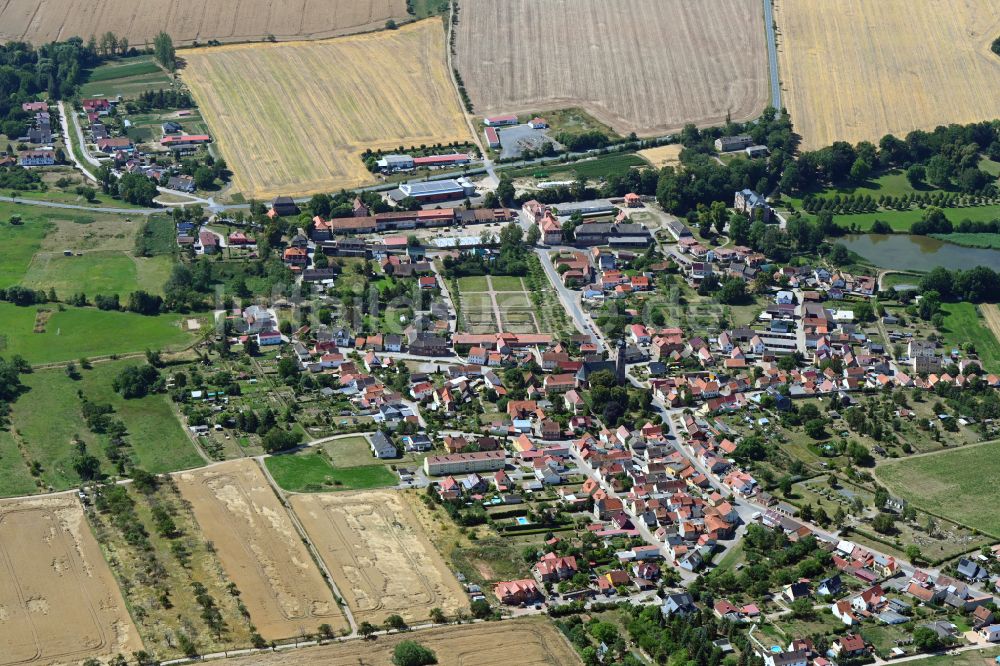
(128, 77)
(666, 65)
(389, 89)
(971, 240)
(962, 324)
(75, 332)
(959, 484)
(595, 168)
(473, 283)
(929, 64)
(41, 21)
(33, 253)
(902, 220)
(48, 417)
(310, 472)
(350, 452)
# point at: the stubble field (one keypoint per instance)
(533, 641)
(647, 66)
(58, 600)
(295, 118)
(260, 550)
(855, 70)
(42, 21)
(379, 557)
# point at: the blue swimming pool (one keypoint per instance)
(521, 520)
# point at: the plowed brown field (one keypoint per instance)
(379, 557)
(856, 70)
(647, 66)
(58, 600)
(524, 642)
(260, 550)
(41, 21)
(295, 118)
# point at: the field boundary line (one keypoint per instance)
(310, 546)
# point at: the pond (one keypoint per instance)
(918, 253)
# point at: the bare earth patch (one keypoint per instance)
(661, 156)
(42, 21)
(260, 550)
(647, 66)
(58, 600)
(525, 642)
(380, 558)
(856, 70)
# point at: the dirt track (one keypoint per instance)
(379, 557)
(524, 642)
(41, 21)
(647, 66)
(260, 550)
(58, 600)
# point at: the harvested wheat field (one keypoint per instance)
(42, 21)
(295, 118)
(525, 641)
(856, 70)
(991, 313)
(260, 550)
(379, 557)
(58, 600)
(647, 66)
(661, 156)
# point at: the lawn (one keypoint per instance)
(75, 332)
(311, 472)
(15, 479)
(969, 658)
(350, 452)
(963, 324)
(474, 283)
(958, 484)
(20, 243)
(48, 417)
(901, 220)
(506, 283)
(93, 273)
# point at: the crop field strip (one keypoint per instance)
(647, 66)
(525, 641)
(43, 21)
(260, 550)
(855, 70)
(388, 89)
(58, 599)
(378, 555)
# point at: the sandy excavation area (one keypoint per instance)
(260, 550)
(41, 21)
(380, 558)
(58, 600)
(525, 642)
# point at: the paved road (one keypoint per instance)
(772, 54)
(64, 119)
(568, 298)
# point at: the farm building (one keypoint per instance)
(538, 123)
(432, 161)
(284, 206)
(440, 190)
(391, 163)
(728, 144)
(500, 121)
(186, 142)
(492, 138)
